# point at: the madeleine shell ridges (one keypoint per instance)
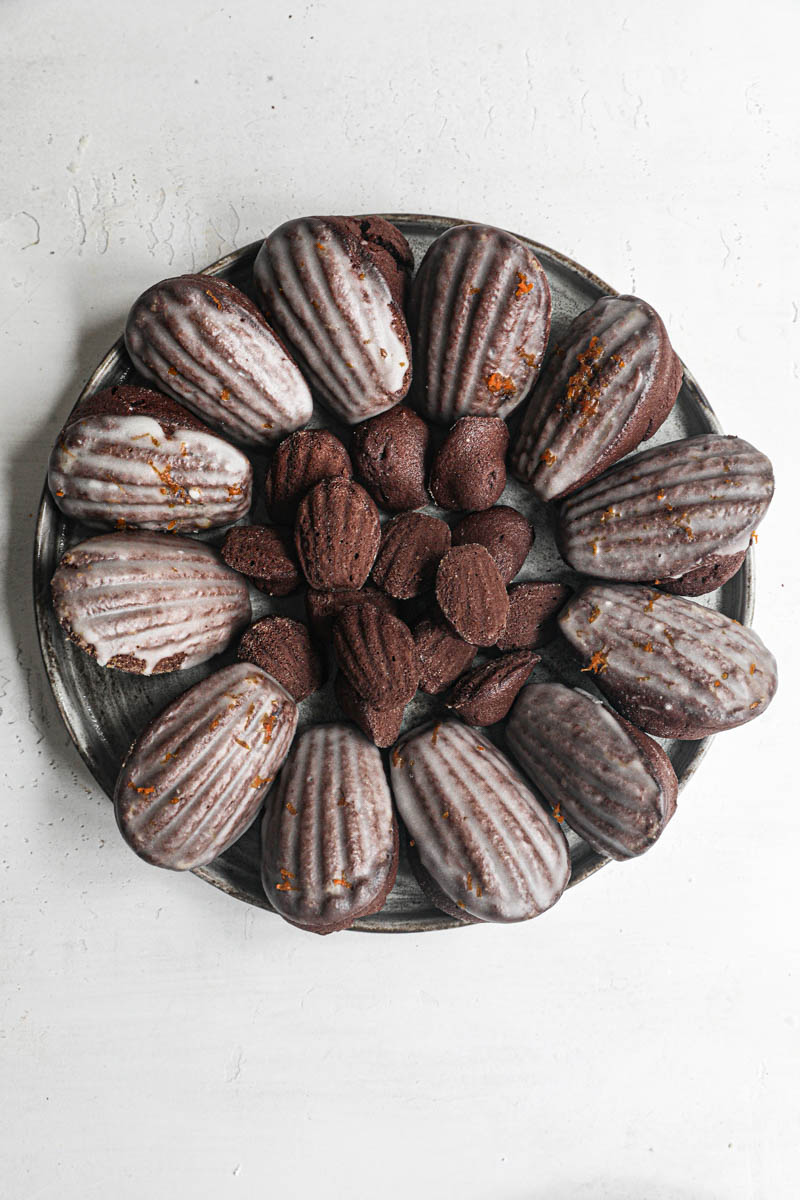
(148, 602)
(671, 666)
(610, 385)
(329, 837)
(665, 511)
(196, 777)
(590, 769)
(480, 832)
(480, 320)
(204, 342)
(323, 290)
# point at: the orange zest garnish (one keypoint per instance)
(597, 663)
(499, 384)
(523, 287)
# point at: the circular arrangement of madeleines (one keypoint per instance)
(393, 573)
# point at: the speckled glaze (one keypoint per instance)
(480, 832)
(329, 838)
(665, 511)
(196, 778)
(204, 342)
(130, 471)
(148, 602)
(321, 288)
(480, 318)
(593, 772)
(610, 384)
(672, 667)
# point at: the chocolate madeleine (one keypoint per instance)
(324, 607)
(377, 654)
(480, 319)
(337, 534)
(130, 457)
(265, 555)
(609, 386)
(283, 648)
(671, 511)
(443, 655)
(672, 667)
(380, 725)
(412, 546)
(148, 602)
(390, 454)
(505, 533)
(485, 695)
(196, 778)
(469, 470)
(204, 342)
(532, 611)
(323, 288)
(482, 838)
(299, 463)
(471, 594)
(611, 783)
(329, 837)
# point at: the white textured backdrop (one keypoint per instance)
(640, 1041)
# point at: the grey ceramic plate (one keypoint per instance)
(105, 710)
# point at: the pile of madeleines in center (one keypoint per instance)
(406, 602)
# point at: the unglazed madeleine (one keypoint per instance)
(668, 511)
(299, 463)
(329, 837)
(609, 385)
(148, 602)
(317, 279)
(337, 534)
(205, 343)
(130, 457)
(196, 778)
(612, 784)
(490, 849)
(672, 667)
(480, 319)
(377, 653)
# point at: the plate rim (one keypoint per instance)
(47, 511)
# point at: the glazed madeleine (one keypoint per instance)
(204, 342)
(609, 385)
(327, 293)
(485, 847)
(329, 837)
(678, 510)
(480, 319)
(148, 602)
(130, 457)
(672, 667)
(196, 778)
(611, 783)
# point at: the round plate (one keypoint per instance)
(105, 710)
